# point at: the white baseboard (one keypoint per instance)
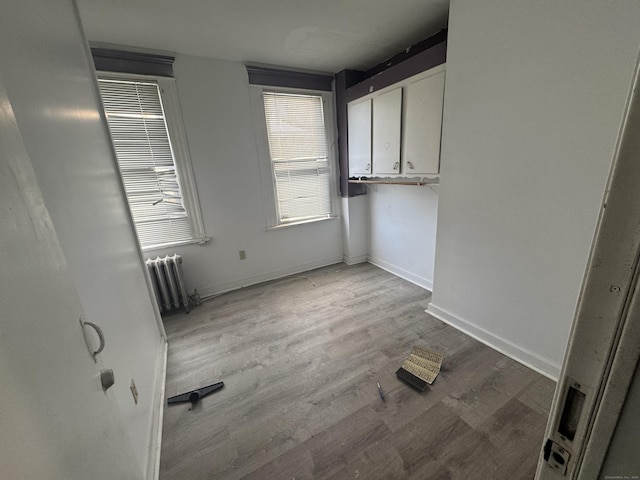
(511, 350)
(157, 414)
(265, 277)
(401, 272)
(354, 260)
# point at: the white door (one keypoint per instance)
(387, 111)
(422, 125)
(359, 130)
(57, 422)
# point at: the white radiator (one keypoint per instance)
(168, 282)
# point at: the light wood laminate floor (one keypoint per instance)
(300, 357)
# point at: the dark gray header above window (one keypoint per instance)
(272, 77)
(112, 60)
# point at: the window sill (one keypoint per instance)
(195, 241)
(301, 222)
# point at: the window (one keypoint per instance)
(143, 117)
(300, 158)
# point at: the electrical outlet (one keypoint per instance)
(134, 391)
(243, 254)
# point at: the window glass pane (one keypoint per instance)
(299, 155)
(146, 160)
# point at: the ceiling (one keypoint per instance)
(319, 35)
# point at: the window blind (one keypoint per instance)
(299, 155)
(143, 148)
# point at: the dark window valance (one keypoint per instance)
(272, 77)
(112, 60)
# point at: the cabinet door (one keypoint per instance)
(422, 125)
(359, 125)
(387, 110)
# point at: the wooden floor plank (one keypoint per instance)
(380, 462)
(300, 358)
(516, 430)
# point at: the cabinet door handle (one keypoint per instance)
(368, 167)
(410, 165)
(396, 165)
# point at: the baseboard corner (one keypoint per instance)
(354, 260)
(506, 347)
(401, 272)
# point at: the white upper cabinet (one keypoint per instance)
(359, 125)
(396, 131)
(422, 124)
(387, 113)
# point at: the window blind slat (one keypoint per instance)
(299, 155)
(143, 148)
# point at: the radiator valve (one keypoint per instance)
(195, 298)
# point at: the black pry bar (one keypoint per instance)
(194, 396)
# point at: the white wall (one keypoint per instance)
(214, 97)
(533, 102)
(355, 234)
(48, 77)
(402, 231)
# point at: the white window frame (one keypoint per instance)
(267, 176)
(180, 149)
